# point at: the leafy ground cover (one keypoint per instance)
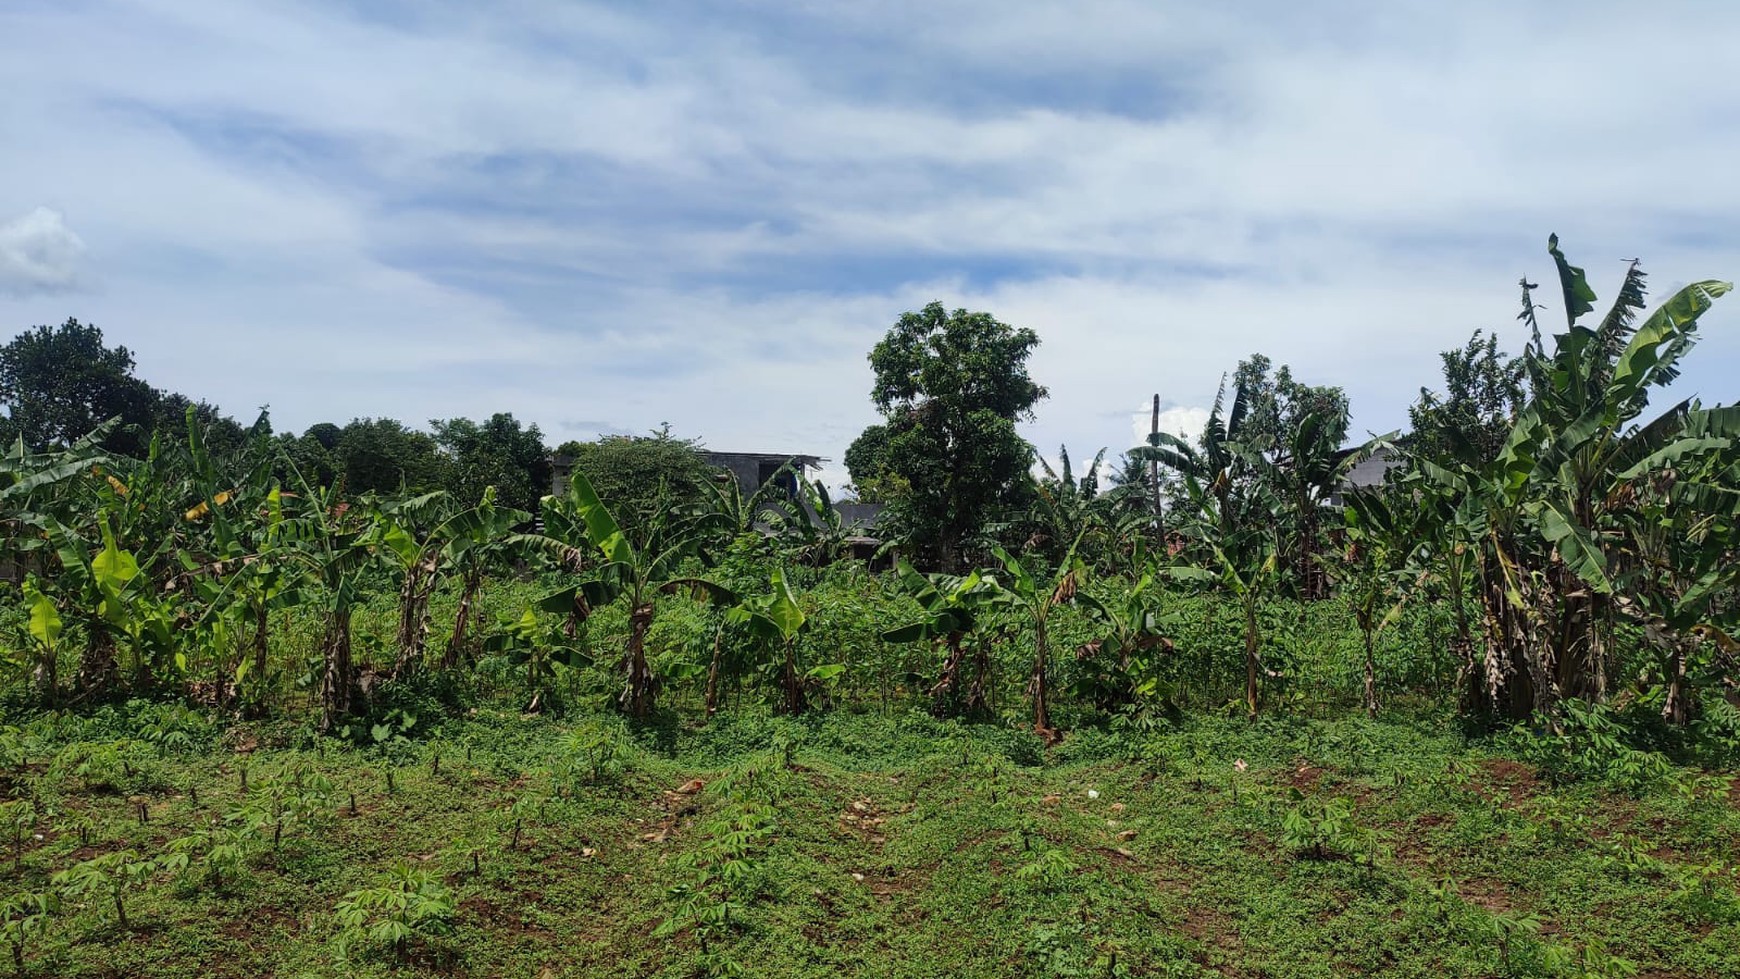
(856, 844)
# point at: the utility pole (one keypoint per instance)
(1154, 471)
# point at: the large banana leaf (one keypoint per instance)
(601, 528)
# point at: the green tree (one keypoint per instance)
(59, 383)
(951, 387)
(380, 455)
(498, 452)
(1468, 422)
(639, 476)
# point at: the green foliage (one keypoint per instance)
(640, 477)
(951, 387)
(408, 905)
(24, 915)
(1483, 390)
(1324, 829)
(110, 877)
(497, 453)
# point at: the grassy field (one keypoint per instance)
(859, 845)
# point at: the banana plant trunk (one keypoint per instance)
(713, 671)
(337, 680)
(978, 700)
(638, 693)
(262, 626)
(462, 620)
(1677, 708)
(1250, 654)
(413, 633)
(99, 671)
(47, 677)
(795, 701)
(942, 694)
(1371, 702)
(1037, 686)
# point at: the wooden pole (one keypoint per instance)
(1154, 471)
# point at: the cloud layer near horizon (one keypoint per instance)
(602, 217)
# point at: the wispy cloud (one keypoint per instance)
(707, 215)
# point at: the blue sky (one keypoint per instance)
(605, 217)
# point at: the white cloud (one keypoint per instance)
(39, 253)
(1185, 422)
(574, 211)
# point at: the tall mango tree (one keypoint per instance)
(1547, 514)
(637, 571)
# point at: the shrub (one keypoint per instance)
(409, 904)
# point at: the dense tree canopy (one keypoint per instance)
(498, 452)
(381, 455)
(1468, 422)
(951, 387)
(641, 475)
(59, 383)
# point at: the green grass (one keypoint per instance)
(898, 847)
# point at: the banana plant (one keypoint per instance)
(1234, 515)
(1034, 598)
(777, 617)
(809, 527)
(1381, 567)
(953, 612)
(1127, 633)
(407, 534)
(1549, 511)
(636, 571)
(44, 627)
(476, 540)
(1676, 574)
(327, 546)
(105, 588)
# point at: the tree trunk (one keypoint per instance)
(337, 680)
(713, 672)
(1036, 687)
(638, 693)
(795, 702)
(99, 672)
(462, 621)
(1677, 709)
(1371, 704)
(942, 694)
(1250, 654)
